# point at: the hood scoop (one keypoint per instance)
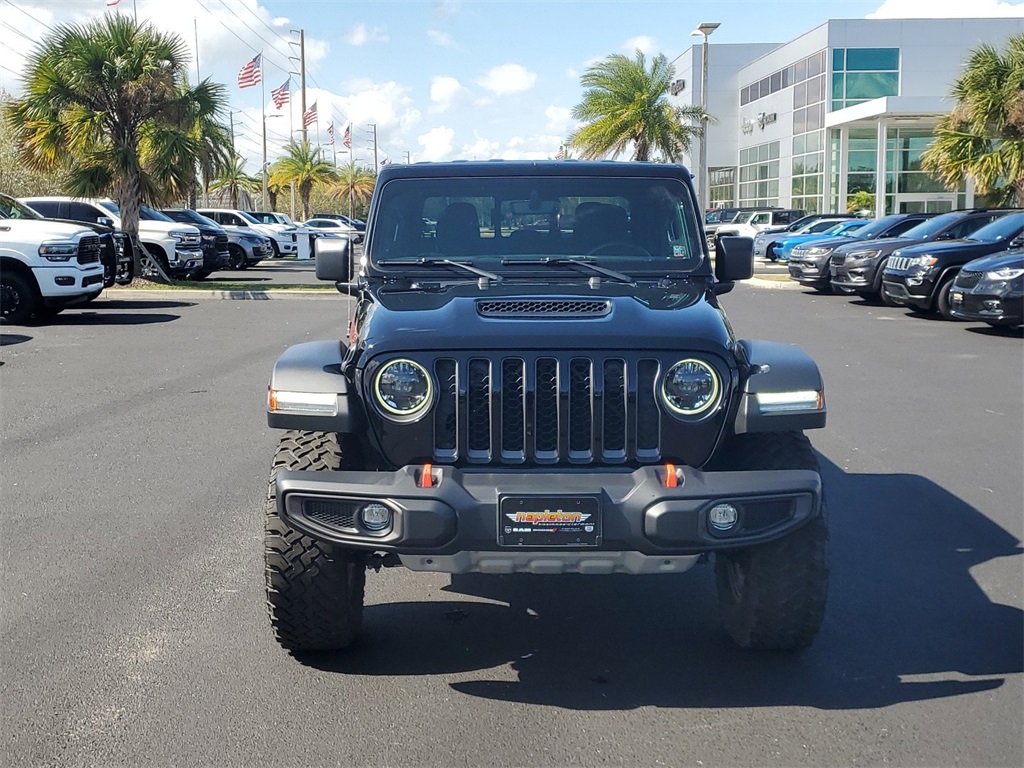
(548, 309)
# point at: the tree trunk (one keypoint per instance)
(129, 199)
(272, 197)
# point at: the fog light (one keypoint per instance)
(63, 280)
(375, 517)
(723, 517)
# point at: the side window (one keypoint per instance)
(46, 208)
(236, 221)
(970, 226)
(761, 218)
(82, 212)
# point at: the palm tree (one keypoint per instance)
(983, 137)
(233, 180)
(304, 165)
(108, 101)
(626, 104)
(355, 183)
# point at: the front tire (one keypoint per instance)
(942, 303)
(772, 596)
(314, 589)
(237, 260)
(18, 300)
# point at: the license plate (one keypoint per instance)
(549, 521)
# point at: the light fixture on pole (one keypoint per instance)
(265, 116)
(704, 30)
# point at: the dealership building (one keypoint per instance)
(846, 107)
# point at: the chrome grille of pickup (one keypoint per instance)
(88, 249)
(547, 408)
(546, 308)
(192, 240)
(968, 279)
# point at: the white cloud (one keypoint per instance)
(540, 147)
(648, 45)
(446, 9)
(946, 9)
(559, 119)
(440, 38)
(437, 143)
(360, 34)
(481, 149)
(507, 79)
(572, 73)
(444, 91)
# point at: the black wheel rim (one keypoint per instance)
(9, 300)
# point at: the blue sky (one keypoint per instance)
(443, 79)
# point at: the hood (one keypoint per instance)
(162, 228)
(677, 315)
(817, 240)
(884, 244)
(43, 229)
(953, 247)
(1014, 259)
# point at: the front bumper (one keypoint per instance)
(858, 276)
(808, 272)
(66, 284)
(999, 309)
(453, 526)
(902, 291)
(186, 259)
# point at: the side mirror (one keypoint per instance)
(333, 261)
(734, 259)
(105, 221)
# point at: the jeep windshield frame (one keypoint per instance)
(534, 224)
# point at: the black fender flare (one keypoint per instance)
(770, 366)
(316, 367)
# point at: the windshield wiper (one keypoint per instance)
(440, 262)
(585, 264)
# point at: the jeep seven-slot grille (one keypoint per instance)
(546, 409)
(88, 249)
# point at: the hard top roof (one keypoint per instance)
(473, 168)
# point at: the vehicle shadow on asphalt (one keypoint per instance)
(10, 339)
(110, 317)
(906, 621)
(140, 304)
(1001, 332)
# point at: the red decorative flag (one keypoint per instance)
(330, 133)
(347, 140)
(111, 3)
(282, 95)
(252, 73)
(310, 116)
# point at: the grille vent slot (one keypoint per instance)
(543, 308)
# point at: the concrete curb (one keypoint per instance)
(778, 284)
(156, 294)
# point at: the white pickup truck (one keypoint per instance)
(45, 266)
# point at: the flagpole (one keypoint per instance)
(352, 169)
(263, 111)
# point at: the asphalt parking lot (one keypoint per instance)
(133, 469)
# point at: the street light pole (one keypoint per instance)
(704, 30)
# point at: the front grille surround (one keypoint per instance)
(966, 279)
(549, 408)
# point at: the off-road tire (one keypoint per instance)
(314, 589)
(18, 298)
(772, 596)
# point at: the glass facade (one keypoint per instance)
(861, 74)
(805, 69)
(759, 175)
(722, 186)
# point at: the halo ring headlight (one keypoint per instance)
(691, 388)
(403, 389)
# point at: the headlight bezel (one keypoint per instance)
(1008, 273)
(863, 254)
(58, 250)
(395, 414)
(692, 414)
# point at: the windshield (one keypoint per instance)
(1003, 228)
(251, 219)
(628, 224)
(821, 225)
(148, 214)
(12, 209)
(875, 227)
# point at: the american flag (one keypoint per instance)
(384, 162)
(282, 95)
(347, 139)
(560, 155)
(310, 116)
(252, 73)
(112, 3)
(330, 133)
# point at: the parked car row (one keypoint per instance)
(966, 264)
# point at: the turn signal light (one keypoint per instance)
(427, 476)
(672, 474)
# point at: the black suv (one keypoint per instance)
(857, 267)
(809, 263)
(991, 289)
(921, 276)
(545, 382)
(215, 240)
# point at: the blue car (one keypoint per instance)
(844, 229)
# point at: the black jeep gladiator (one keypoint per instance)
(543, 382)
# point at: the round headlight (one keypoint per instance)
(403, 388)
(690, 387)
